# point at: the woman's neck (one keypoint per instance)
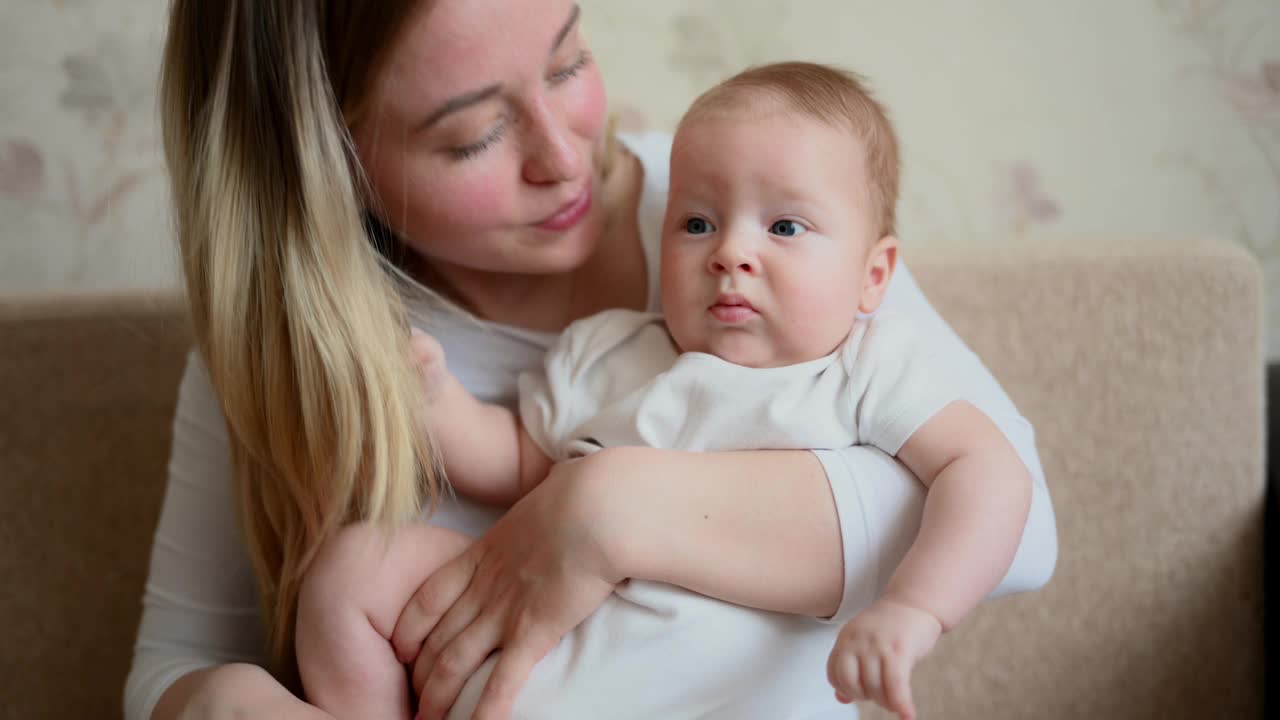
(534, 302)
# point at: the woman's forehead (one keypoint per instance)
(459, 46)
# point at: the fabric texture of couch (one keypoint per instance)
(1140, 366)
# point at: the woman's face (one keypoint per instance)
(479, 136)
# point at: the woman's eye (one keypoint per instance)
(787, 228)
(697, 226)
(571, 69)
(466, 152)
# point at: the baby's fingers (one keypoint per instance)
(872, 685)
(842, 673)
(897, 685)
(423, 347)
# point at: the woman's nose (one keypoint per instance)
(551, 157)
(732, 256)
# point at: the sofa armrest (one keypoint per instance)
(1141, 368)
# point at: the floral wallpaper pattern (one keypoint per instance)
(1250, 87)
(82, 183)
(1023, 121)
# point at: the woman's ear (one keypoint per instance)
(881, 261)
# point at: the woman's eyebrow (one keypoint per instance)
(460, 102)
(466, 100)
(568, 25)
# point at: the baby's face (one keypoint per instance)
(766, 238)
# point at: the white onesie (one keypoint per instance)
(617, 379)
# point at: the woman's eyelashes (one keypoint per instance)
(572, 69)
(564, 74)
(466, 152)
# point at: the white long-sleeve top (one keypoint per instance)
(200, 608)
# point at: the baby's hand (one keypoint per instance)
(428, 357)
(875, 652)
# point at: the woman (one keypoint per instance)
(470, 138)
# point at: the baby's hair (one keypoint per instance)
(830, 95)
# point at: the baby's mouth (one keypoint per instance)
(732, 308)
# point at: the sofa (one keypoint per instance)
(1141, 366)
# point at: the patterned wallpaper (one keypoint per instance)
(1023, 121)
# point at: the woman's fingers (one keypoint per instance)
(509, 676)
(455, 622)
(504, 593)
(455, 666)
(428, 604)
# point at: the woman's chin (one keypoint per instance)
(565, 251)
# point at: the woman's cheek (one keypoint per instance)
(477, 197)
(586, 104)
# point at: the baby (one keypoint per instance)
(778, 246)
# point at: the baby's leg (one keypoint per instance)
(347, 610)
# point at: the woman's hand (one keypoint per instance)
(538, 573)
(237, 690)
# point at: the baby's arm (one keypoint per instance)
(977, 504)
(487, 454)
(979, 494)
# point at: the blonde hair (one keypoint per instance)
(299, 320)
(830, 95)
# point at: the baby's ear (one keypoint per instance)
(881, 262)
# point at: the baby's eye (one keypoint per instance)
(787, 228)
(697, 226)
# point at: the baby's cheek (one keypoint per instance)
(822, 311)
(683, 314)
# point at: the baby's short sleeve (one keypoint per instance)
(899, 381)
(579, 375)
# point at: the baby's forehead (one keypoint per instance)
(737, 106)
(763, 119)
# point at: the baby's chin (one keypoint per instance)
(757, 352)
(750, 352)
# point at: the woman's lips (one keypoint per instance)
(569, 215)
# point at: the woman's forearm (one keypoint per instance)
(757, 528)
(232, 691)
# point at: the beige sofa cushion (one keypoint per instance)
(87, 389)
(1141, 370)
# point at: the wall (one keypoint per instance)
(1024, 121)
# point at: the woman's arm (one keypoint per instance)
(756, 528)
(201, 636)
(1037, 555)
